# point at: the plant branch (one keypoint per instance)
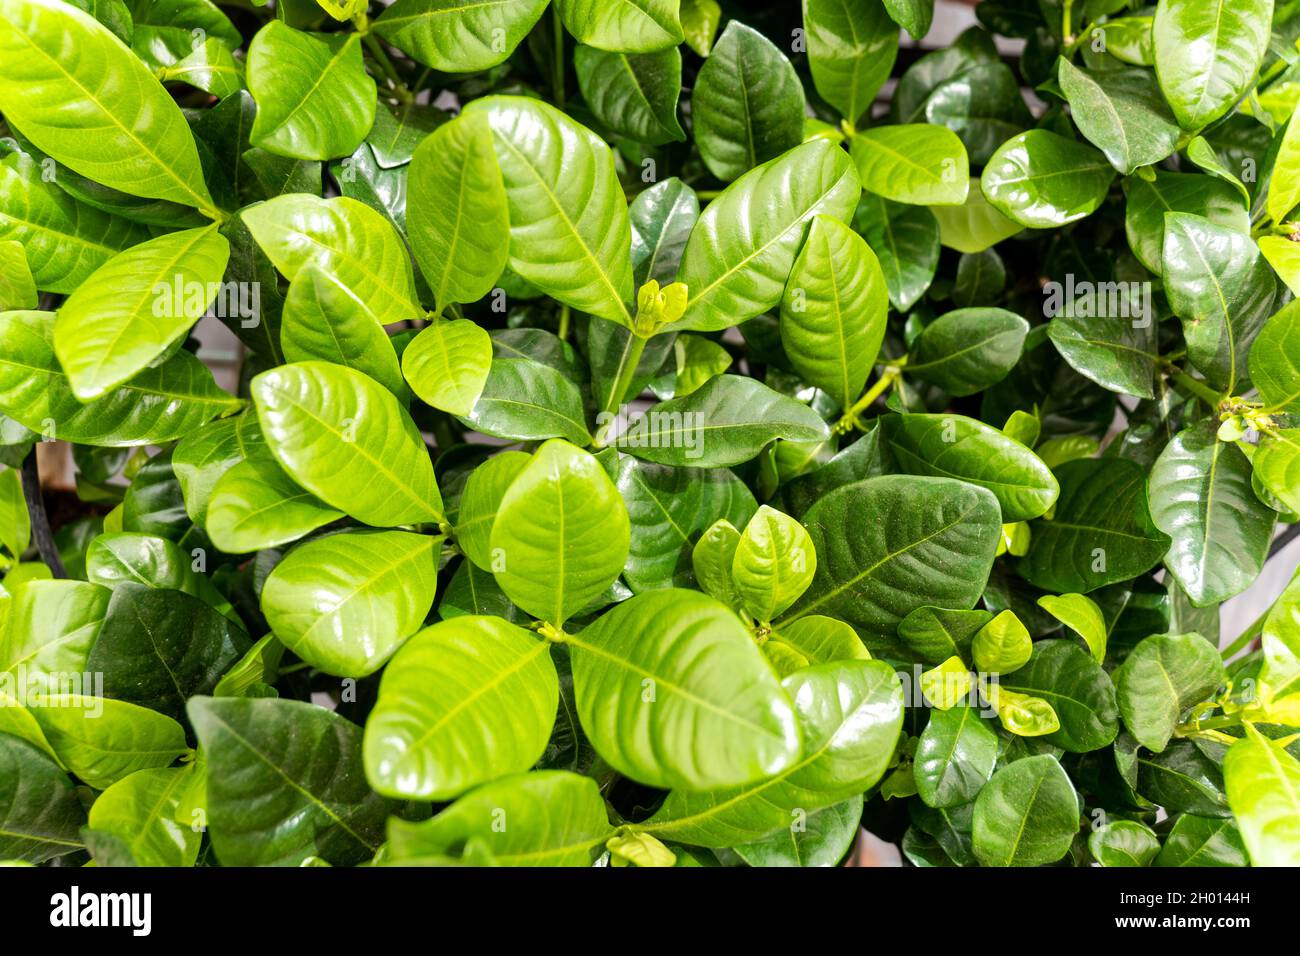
(386, 65)
(557, 57)
(49, 551)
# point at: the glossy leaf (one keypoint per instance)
(955, 757)
(774, 563)
(40, 815)
(673, 692)
(916, 163)
(635, 95)
(1079, 691)
(967, 350)
(463, 702)
(1124, 843)
(448, 364)
(345, 602)
(851, 49)
(255, 505)
(1040, 179)
(1122, 113)
(1149, 200)
(1161, 679)
(526, 400)
(905, 240)
(1207, 53)
(141, 810)
(1263, 784)
(459, 36)
(1027, 815)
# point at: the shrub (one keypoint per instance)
(678, 478)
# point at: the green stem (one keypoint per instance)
(1067, 18)
(563, 332)
(628, 362)
(887, 378)
(386, 65)
(557, 64)
(705, 195)
(1199, 389)
(1246, 637)
(1213, 723)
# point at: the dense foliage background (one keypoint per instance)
(669, 433)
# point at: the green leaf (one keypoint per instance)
(345, 438)
(1100, 532)
(1149, 200)
(479, 501)
(820, 838)
(1081, 615)
(205, 454)
(673, 692)
(699, 19)
(345, 602)
(1115, 350)
(851, 49)
(63, 241)
(1283, 194)
(1063, 674)
(850, 713)
(324, 320)
(1182, 778)
(774, 563)
(1223, 290)
(17, 287)
(814, 639)
(914, 16)
(569, 230)
(1276, 463)
(1207, 53)
(15, 525)
(952, 446)
(833, 310)
(156, 406)
(55, 100)
(724, 422)
(634, 95)
(744, 246)
(1263, 784)
(747, 105)
(888, 545)
(1202, 841)
(1027, 815)
(915, 163)
(1161, 679)
(935, 634)
(255, 505)
(982, 105)
(1284, 256)
(314, 99)
(1201, 496)
(629, 26)
(1041, 180)
(955, 757)
(975, 225)
(1124, 843)
(667, 508)
(712, 559)
(447, 364)
(981, 277)
(1002, 645)
(461, 247)
(525, 400)
(135, 307)
(40, 813)
(1122, 113)
(141, 810)
(905, 240)
(463, 702)
(1273, 366)
(545, 818)
(284, 783)
(662, 219)
(561, 534)
(351, 242)
(967, 350)
(102, 740)
(459, 36)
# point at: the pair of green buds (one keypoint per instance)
(657, 307)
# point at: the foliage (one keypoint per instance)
(657, 444)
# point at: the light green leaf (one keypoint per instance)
(461, 247)
(345, 438)
(55, 100)
(156, 406)
(525, 400)
(975, 225)
(935, 634)
(135, 307)
(141, 810)
(569, 230)
(917, 163)
(741, 251)
(447, 364)
(255, 505)
(463, 702)
(561, 534)
(833, 311)
(953, 446)
(103, 740)
(1081, 615)
(850, 712)
(345, 602)
(1041, 179)
(814, 639)
(1002, 645)
(1207, 53)
(773, 565)
(1123, 843)
(486, 486)
(629, 26)
(1274, 365)
(851, 49)
(459, 36)
(1263, 783)
(551, 817)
